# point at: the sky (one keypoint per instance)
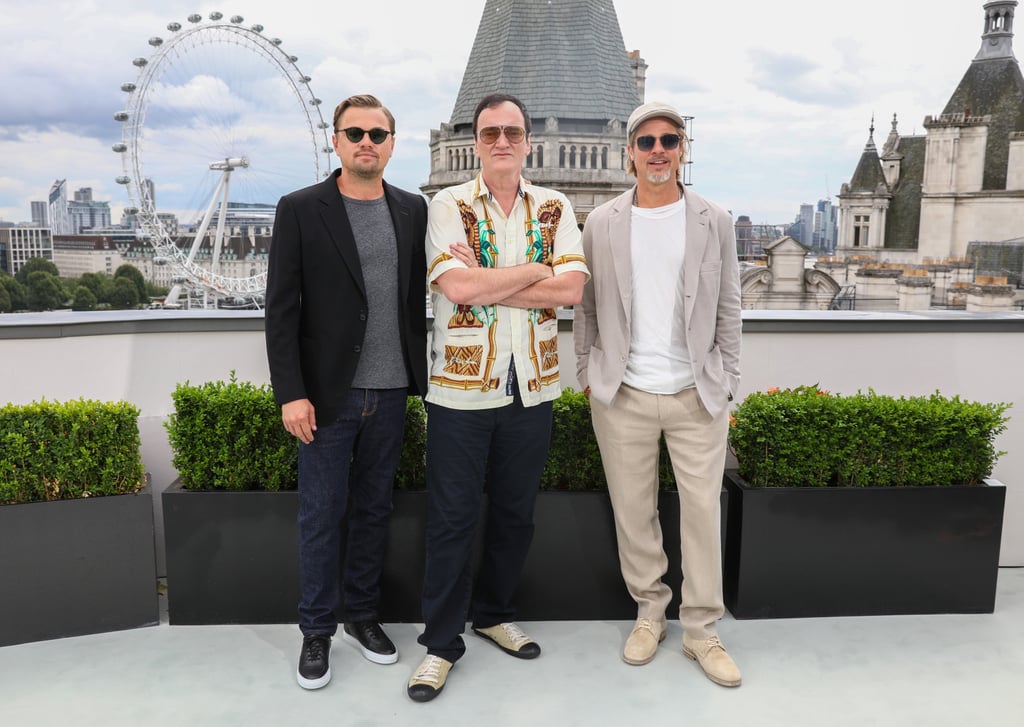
(782, 93)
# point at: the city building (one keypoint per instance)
(578, 114)
(40, 216)
(76, 255)
(86, 213)
(60, 220)
(927, 198)
(22, 243)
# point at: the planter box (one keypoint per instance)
(75, 567)
(806, 551)
(232, 557)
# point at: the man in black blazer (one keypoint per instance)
(346, 344)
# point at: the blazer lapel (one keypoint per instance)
(340, 230)
(619, 224)
(696, 242)
(400, 219)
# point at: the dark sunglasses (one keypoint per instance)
(490, 134)
(355, 134)
(668, 142)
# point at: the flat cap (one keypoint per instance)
(652, 110)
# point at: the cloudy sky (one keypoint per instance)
(782, 92)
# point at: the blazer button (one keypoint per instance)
(362, 316)
(357, 349)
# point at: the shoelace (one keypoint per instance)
(515, 634)
(429, 671)
(714, 643)
(314, 649)
(644, 623)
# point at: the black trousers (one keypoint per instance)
(506, 447)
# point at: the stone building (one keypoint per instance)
(578, 113)
(926, 198)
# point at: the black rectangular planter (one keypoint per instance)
(859, 551)
(232, 557)
(76, 567)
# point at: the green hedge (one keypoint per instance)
(229, 436)
(63, 451)
(810, 438)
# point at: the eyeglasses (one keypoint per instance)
(668, 142)
(355, 134)
(490, 134)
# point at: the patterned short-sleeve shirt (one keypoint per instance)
(473, 347)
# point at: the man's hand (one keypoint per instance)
(464, 254)
(299, 419)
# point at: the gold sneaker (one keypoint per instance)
(642, 644)
(510, 638)
(718, 666)
(429, 678)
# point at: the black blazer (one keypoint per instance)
(316, 306)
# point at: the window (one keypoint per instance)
(860, 230)
(540, 156)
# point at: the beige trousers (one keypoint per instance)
(628, 434)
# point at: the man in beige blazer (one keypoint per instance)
(657, 340)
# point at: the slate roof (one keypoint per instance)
(903, 220)
(868, 174)
(994, 86)
(564, 58)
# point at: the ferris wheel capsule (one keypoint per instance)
(195, 18)
(174, 27)
(257, 28)
(120, 147)
(156, 41)
(127, 87)
(140, 62)
(216, 15)
(123, 179)
(237, 19)
(121, 116)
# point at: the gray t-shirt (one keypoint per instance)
(381, 364)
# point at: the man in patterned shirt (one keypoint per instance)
(501, 255)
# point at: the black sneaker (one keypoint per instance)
(372, 642)
(315, 662)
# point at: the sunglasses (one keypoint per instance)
(490, 134)
(668, 142)
(355, 134)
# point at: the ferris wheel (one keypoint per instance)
(219, 123)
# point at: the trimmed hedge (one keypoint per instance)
(229, 436)
(63, 451)
(805, 437)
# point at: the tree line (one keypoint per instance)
(37, 286)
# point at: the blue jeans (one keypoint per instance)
(508, 447)
(349, 465)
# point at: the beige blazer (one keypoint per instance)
(711, 289)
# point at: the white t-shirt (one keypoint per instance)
(659, 362)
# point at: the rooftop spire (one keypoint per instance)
(997, 40)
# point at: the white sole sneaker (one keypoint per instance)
(313, 683)
(367, 654)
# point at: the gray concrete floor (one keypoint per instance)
(961, 670)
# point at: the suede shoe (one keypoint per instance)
(372, 642)
(510, 638)
(718, 666)
(429, 678)
(315, 662)
(642, 644)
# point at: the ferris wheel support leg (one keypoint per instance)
(218, 238)
(201, 233)
(172, 297)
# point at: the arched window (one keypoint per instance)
(561, 157)
(593, 157)
(450, 161)
(465, 159)
(604, 157)
(540, 156)
(529, 159)
(572, 157)
(583, 157)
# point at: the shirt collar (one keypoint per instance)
(481, 190)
